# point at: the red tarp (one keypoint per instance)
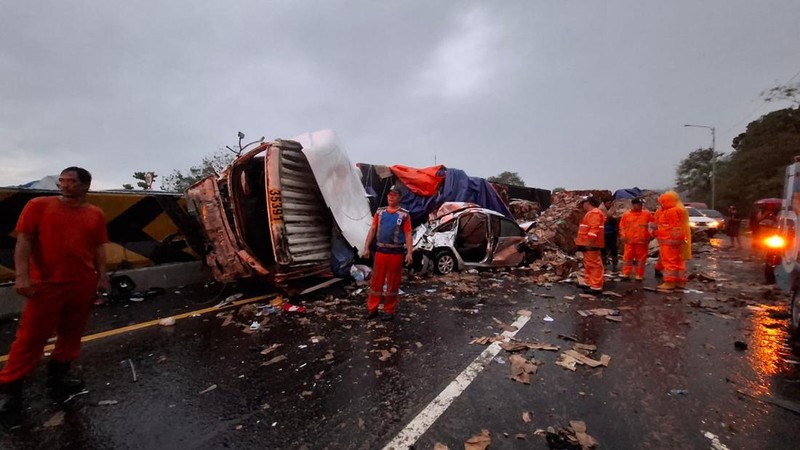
(422, 182)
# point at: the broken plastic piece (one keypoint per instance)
(293, 308)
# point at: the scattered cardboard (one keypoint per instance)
(478, 442)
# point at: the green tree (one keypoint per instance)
(693, 175)
(511, 178)
(142, 183)
(212, 164)
(757, 165)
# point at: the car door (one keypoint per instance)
(508, 238)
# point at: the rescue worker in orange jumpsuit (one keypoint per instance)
(391, 227)
(590, 241)
(60, 266)
(635, 234)
(674, 240)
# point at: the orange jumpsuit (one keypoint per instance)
(590, 237)
(63, 272)
(672, 237)
(633, 229)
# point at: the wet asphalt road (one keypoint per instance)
(347, 383)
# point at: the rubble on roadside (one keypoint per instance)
(524, 210)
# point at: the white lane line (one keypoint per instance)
(420, 424)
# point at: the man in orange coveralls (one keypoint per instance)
(60, 265)
(673, 234)
(392, 228)
(635, 234)
(590, 241)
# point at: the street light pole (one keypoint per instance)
(713, 161)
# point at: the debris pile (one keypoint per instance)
(523, 210)
(557, 226)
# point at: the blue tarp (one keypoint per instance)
(456, 187)
(627, 193)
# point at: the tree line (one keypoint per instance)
(756, 167)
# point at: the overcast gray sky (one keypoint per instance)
(579, 94)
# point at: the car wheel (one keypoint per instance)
(444, 262)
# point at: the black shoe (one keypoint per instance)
(58, 380)
(371, 315)
(595, 291)
(387, 317)
(583, 286)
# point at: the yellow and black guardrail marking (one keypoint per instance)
(145, 228)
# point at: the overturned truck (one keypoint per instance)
(288, 209)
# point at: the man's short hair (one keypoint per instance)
(83, 175)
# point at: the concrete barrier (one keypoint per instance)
(164, 276)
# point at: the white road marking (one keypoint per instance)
(420, 424)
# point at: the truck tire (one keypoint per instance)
(444, 262)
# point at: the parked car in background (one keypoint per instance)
(700, 223)
(463, 235)
(716, 215)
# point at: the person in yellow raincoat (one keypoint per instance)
(674, 240)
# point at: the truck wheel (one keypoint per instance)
(444, 262)
(769, 273)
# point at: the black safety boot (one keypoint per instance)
(58, 380)
(11, 404)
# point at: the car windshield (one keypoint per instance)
(711, 213)
(694, 213)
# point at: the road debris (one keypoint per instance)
(515, 346)
(739, 345)
(547, 318)
(107, 402)
(522, 368)
(579, 354)
(133, 370)
(274, 360)
(228, 300)
(602, 312)
(78, 394)
(485, 340)
(288, 307)
(527, 417)
(167, 322)
(56, 420)
(208, 389)
(675, 392)
(572, 437)
(715, 443)
(270, 349)
(478, 442)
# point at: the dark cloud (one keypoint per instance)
(576, 94)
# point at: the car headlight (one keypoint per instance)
(692, 224)
(713, 224)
